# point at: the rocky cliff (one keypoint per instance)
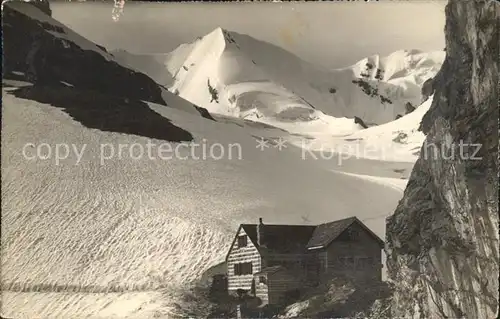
(41, 50)
(81, 78)
(442, 241)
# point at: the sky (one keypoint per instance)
(330, 34)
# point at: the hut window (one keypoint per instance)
(263, 280)
(361, 263)
(243, 269)
(370, 261)
(341, 262)
(242, 241)
(365, 262)
(349, 235)
(353, 234)
(350, 262)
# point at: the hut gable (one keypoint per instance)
(325, 234)
(242, 260)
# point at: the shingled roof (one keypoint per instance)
(296, 238)
(326, 233)
(281, 238)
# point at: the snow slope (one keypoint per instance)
(161, 67)
(410, 66)
(251, 76)
(398, 140)
(139, 225)
(395, 183)
(133, 305)
(154, 65)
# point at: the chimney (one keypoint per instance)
(260, 232)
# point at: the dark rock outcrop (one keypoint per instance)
(427, 89)
(106, 113)
(70, 72)
(359, 121)
(371, 89)
(442, 241)
(40, 51)
(340, 296)
(409, 108)
(43, 5)
(204, 113)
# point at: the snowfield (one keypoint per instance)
(141, 225)
(105, 233)
(398, 141)
(133, 305)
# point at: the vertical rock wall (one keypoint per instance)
(442, 241)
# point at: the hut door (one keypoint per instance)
(252, 289)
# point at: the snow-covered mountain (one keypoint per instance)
(237, 75)
(104, 233)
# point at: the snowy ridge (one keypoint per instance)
(243, 89)
(400, 75)
(236, 58)
(236, 75)
(400, 64)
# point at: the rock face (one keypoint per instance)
(359, 121)
(80, 77)
(41, 51)
(427, 89)
(442, 241)
(409, 108)
(42, 5)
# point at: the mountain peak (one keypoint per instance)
(224, 33)
(220, 30)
